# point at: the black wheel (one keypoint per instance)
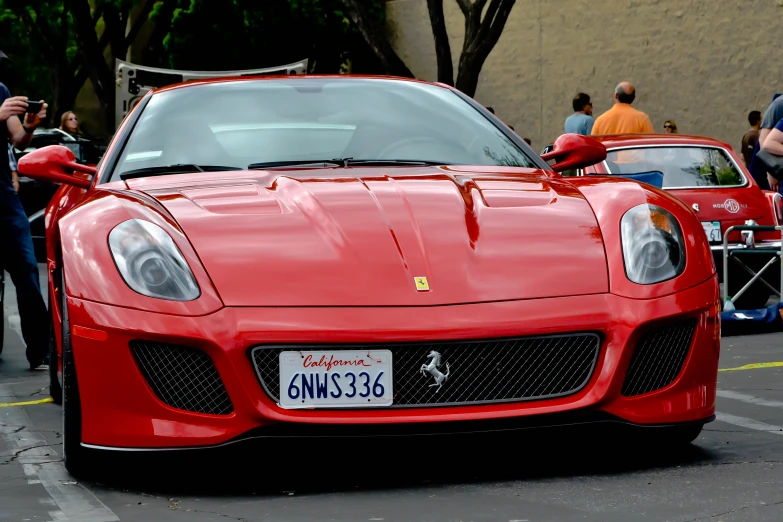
(55, 366)
(78, 460)
(55, 372)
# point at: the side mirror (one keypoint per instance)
(573, 151)
(56, 164)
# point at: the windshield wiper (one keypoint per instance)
(348, 162)
(345, 162)
(179, 168)
(295, 163)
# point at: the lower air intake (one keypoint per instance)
(182, 377)
(658, 358)
(483, 371)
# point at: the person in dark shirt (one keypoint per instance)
(17, 256)
(751, 137)
(772, 116)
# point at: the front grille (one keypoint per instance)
(182, 377)
(497, 370)
(658, 358)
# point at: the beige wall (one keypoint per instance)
(703, 63)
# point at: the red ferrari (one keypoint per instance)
(269, 257)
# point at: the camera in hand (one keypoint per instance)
(34, 107)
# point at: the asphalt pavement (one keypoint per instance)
(733, 471)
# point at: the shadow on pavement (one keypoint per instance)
(326, 465)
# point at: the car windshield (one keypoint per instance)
(681, 166)
(236, 124)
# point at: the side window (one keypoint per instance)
(725, 171)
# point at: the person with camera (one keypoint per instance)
(17, 256)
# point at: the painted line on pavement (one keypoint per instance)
(44, 466)
(750, 399)
(754, 366)
(749, 423)
(26, 403)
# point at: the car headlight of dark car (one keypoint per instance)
(150, 262)
(653, 245)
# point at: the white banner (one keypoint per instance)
(134, 81)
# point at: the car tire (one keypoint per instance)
(78, 460)
(55, 385)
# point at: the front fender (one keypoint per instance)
(90, 272)
(610, 199)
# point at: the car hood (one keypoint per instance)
(363, 236)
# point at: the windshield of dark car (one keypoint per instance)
(689, 166)
(236, 124)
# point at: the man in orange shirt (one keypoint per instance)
(622, 118)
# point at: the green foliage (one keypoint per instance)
(187, 34)
(28, 73)
(245, 34)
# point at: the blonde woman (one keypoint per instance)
(669, 127)
(70, 123)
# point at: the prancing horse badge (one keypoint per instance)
(421, 284)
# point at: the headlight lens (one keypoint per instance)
(150, 262)
(653, 246)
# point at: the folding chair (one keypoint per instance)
(750, 249)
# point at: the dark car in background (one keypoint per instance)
(35, 195)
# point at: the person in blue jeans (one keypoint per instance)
(17, 256)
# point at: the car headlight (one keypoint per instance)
(150, 262)
(653, 246)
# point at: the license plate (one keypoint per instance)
(712, 229)
(336, 379)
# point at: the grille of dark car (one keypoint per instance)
(182, 377)
(658, 358)
(496, 370)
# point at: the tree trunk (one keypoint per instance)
(442, 45)
(376, 41)
(99, 72)
(468, 74)
(480, 38)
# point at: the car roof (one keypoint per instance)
(629, 140)
(235, 79)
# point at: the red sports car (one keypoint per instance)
(712, 179)
(303, 256)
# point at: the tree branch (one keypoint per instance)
(442, 45)
(113, 27)
(138, 23)
(99, 72)
(489, 18)
(496, 28)
(481, 35)
(464, 5)
(97, 14)
(378, 43)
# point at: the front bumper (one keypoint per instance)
(120, 410)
